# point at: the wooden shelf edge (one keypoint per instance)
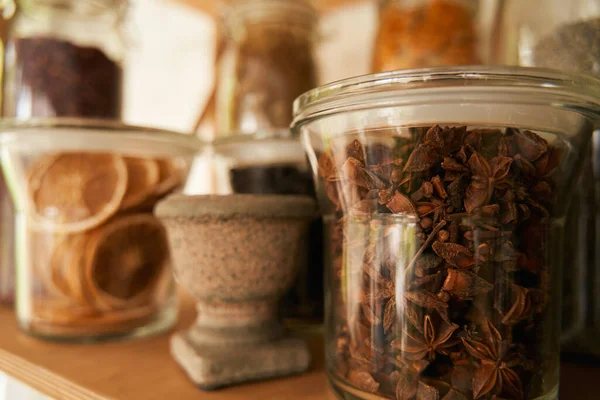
(42, 380)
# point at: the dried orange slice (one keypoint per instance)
(143, 176)
(66, 268)
(77, 191)
(125, 260)
(171, 176)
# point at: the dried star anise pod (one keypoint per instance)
(436, 142)
(364, 381)
(430, 342)
(486, 177)
(494, 373)
(465, 285)
(454, 254)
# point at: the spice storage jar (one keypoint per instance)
(267, 62)
(564, 35)
(444, 193)
(63, 58)
(426, 33)
(274, 163)
(92, 260)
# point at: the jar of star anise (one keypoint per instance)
(444, 194)
(268, 61)
(428, 33)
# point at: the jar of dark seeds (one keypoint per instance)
(566, 36)
(62, 58)
(275, 163)
(267, 62)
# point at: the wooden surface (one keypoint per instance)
(211, 6)
(144, 370)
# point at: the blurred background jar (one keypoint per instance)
(63, 59)
(272, 162)
(565, 35)
(433, 33)
(267, 62)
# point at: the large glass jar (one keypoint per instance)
(275, 163)
(427, 33)
(444, 194)
(92, 260)
(267, 62)
(564, 35)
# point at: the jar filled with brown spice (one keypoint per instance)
(267, 62)
(426, 33)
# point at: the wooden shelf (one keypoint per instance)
(144, 370)
(211, 6)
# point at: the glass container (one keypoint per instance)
(63, 59)
(267, 62)
(427, 33)
(92, 260)
(275, 163)
(444, 194)
(564, 36)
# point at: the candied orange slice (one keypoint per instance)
(124, 261)
(75, 192)
(143, 176)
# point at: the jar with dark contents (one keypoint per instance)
(566, 36)
(267, 62)
(275, 163)
(63, 59)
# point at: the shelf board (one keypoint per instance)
(144, 370)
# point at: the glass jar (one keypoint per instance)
(267, 62)
(426, 33)
(444, 194)
(92, 260)
(563, 35)
(275, 163)
(63, 59)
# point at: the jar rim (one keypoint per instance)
(396, 88)
(86, 134)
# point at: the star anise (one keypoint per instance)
(486, 177)
(454, 254)
(464, 285)
(495, 372)
(430, 342)
(435, 143)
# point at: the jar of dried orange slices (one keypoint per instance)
(92, 260)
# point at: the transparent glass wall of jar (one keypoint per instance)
(443, 194)
(267, 62)
(564, 35)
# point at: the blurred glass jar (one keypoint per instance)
(267, 62)
(432, 33)
(444, 194)
(565, 35)
(275, 163)
(92, 260)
